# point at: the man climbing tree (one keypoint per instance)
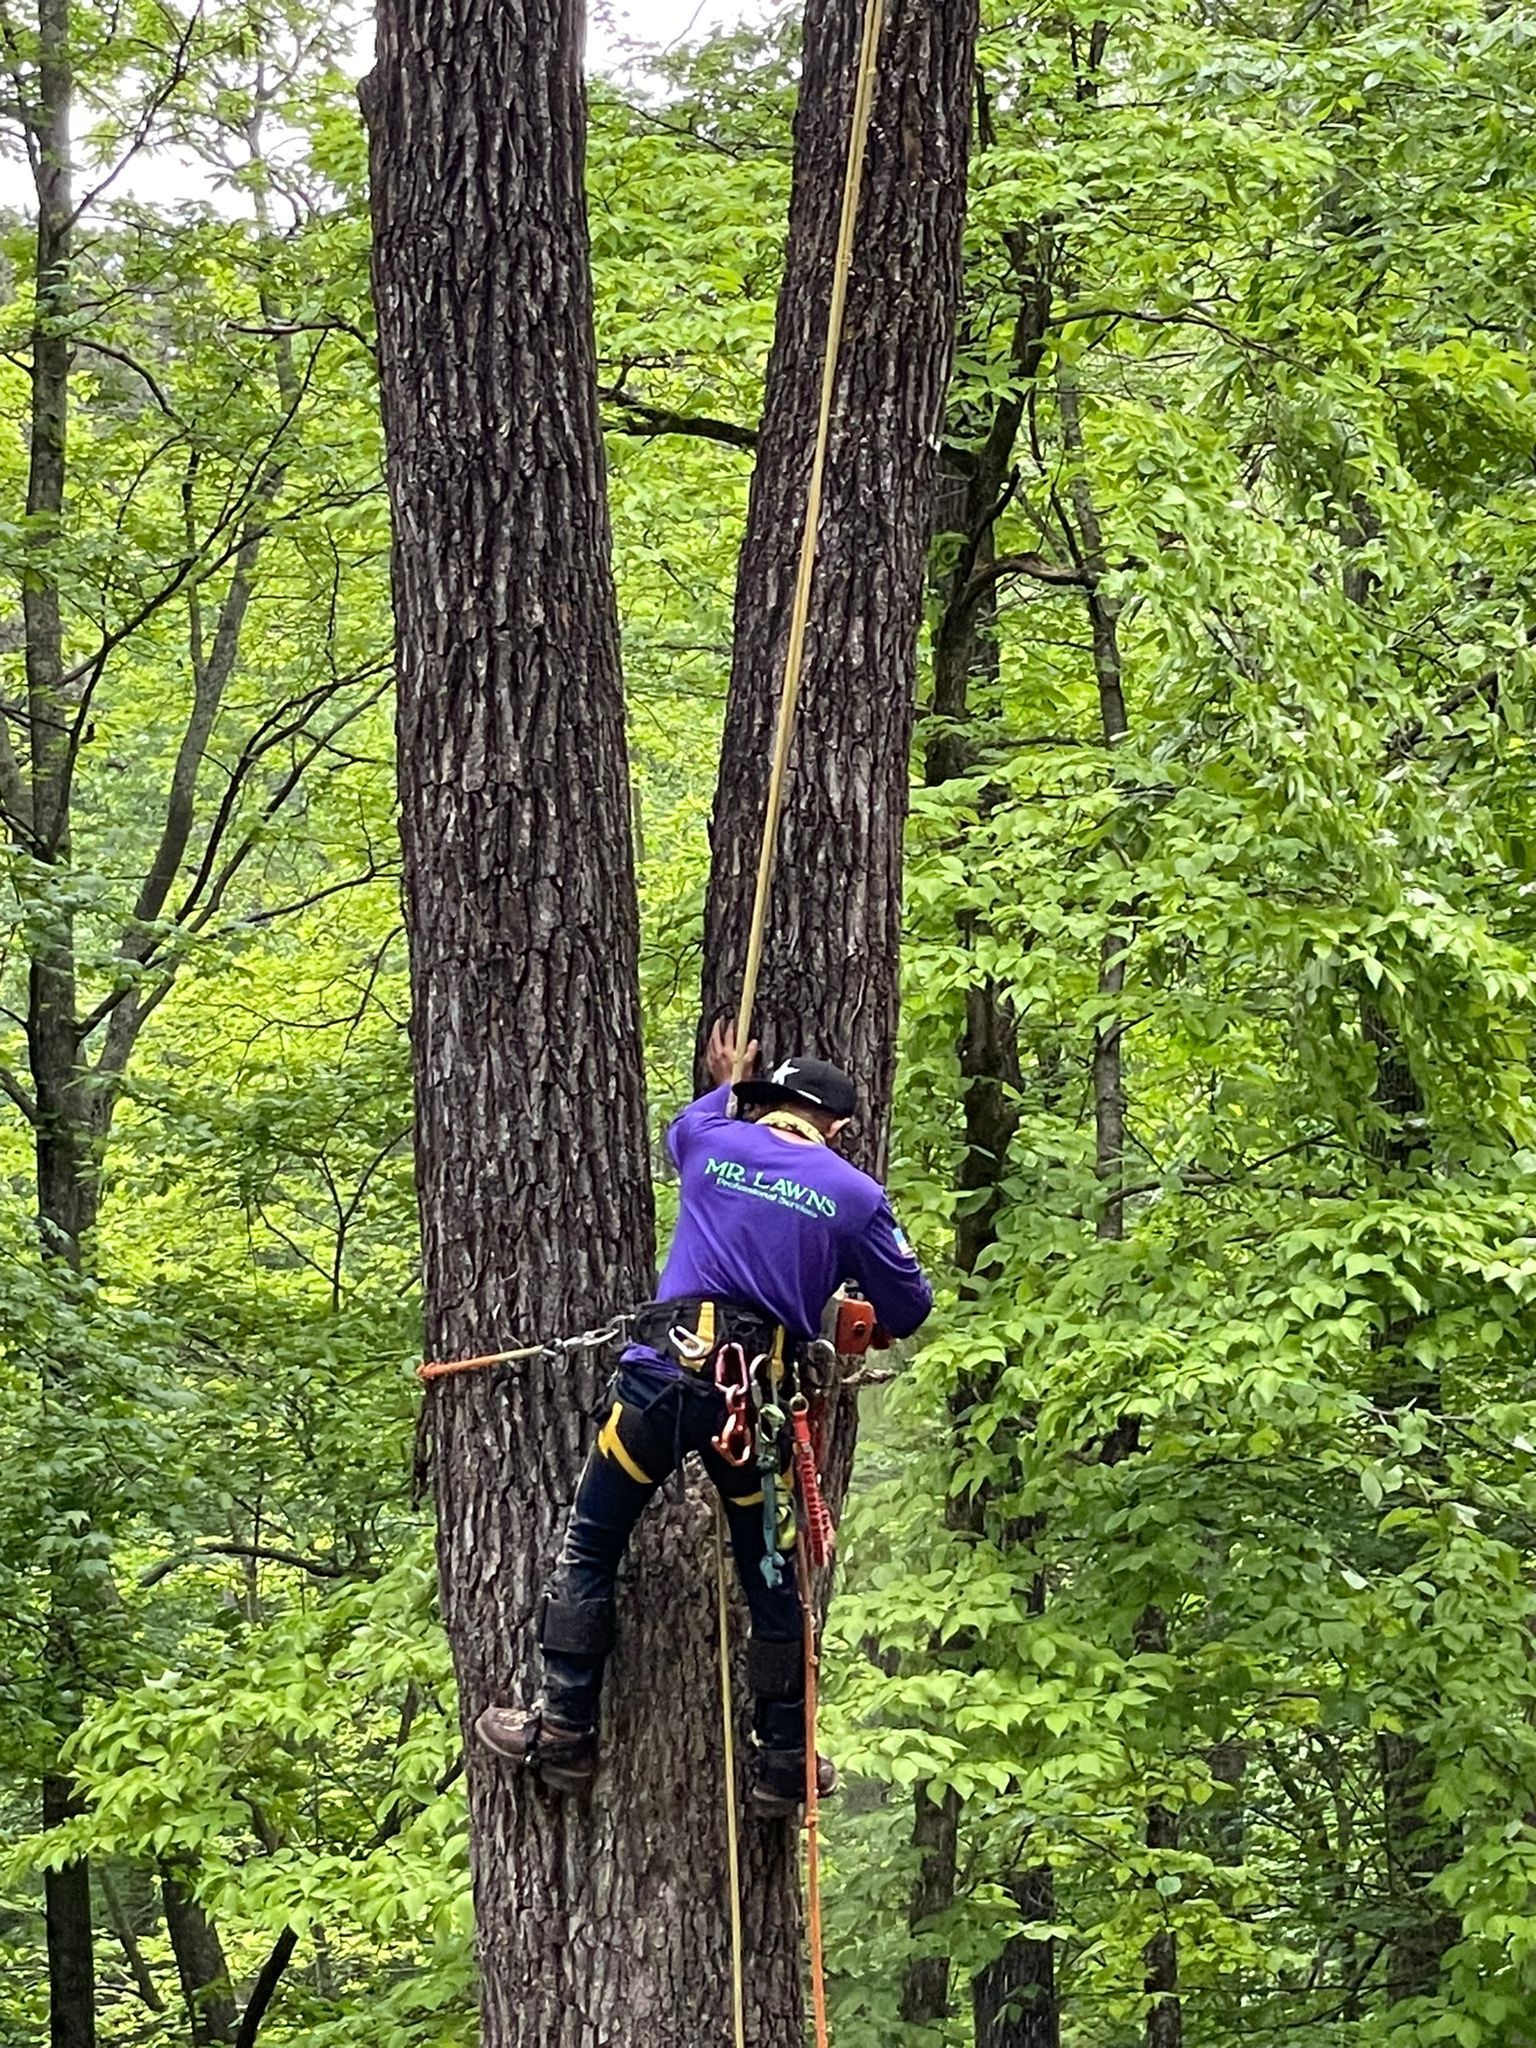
(772, 1221)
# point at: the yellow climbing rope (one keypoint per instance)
(789, 701)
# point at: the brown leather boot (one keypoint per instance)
(562, 1758)
(776, 1780)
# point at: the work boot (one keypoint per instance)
(562, 1758)
(776, 1780)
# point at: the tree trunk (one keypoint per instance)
(71, 1950)
(831, 968)
(200, 1964)
(936, 1838)
(63, 1179)
(1085, 541)
(1013, 1998)
(121, 1917)
(601, 1917)
(830, 979)
(965, 654)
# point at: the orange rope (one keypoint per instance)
(557, 1348)
(812, 1807)
(445, 1368)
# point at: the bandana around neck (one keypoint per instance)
(792, 1126)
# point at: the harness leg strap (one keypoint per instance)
(575, 1628)
(775, 1671)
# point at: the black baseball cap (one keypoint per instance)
(816, 1082)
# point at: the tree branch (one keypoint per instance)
(265, 1988)
(11, 1086)
(649, 421)
(317, 1567)
(208, 694)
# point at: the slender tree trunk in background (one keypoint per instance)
(1418, 1846)
(1014, 1998)
(603, 1916)
(1085, 542)
(121, 1919)
(200, 1965)
(1225, 1818)
(65, 1181)
(936, 1838)
(965, 653)
(1165, 2015)
(831, 968)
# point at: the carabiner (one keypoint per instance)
(733, 1378)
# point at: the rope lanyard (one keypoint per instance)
(800, 609)
(557, 1348)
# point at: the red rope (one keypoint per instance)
(815, 1516)
(812, 1804)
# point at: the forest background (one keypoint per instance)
(1180, 1667)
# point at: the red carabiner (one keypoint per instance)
(733, 1378)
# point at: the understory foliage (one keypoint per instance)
(1188, 1578)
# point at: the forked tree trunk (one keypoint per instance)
(830, 981)
(602, 1919)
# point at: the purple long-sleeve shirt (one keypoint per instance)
(779, 1224)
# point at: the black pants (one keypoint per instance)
(656, 1419)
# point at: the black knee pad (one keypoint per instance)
(575, 1628)
(775, 1671)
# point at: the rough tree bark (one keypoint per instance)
(829, 980)
(200, 1964)
(831, 965)
(601, 1920)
